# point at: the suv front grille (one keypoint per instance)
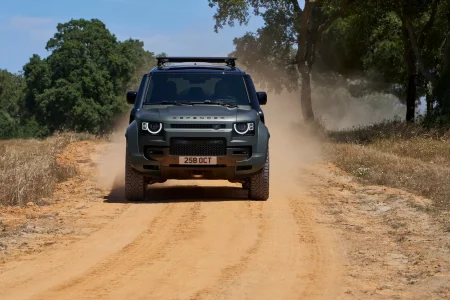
(201, 126)
(198, 146)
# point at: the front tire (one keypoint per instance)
(135, 184)
(259, 183)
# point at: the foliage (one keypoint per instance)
(15, 120)
(11, 100)
(271, 48)
(80, 85)
(285, 45)
(372, 46)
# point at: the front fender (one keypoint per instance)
(132, 138)
(263, 139)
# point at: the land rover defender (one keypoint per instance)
(197, 118)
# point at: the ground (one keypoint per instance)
(321, 235)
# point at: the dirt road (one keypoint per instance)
(190, 240)
(195, 248)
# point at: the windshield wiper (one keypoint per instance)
(215, 103)
(169, 103)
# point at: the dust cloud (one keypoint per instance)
(293, 146)
(338, 109)
(111, 164)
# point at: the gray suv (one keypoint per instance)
(197, 118)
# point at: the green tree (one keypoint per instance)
(390, 46)
(287, 42)
(412, 32)
(80, 86)
(11, 101)
(15, 119)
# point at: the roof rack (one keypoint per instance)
(230, 61)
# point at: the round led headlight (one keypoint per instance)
(243, 128)
(152, 127)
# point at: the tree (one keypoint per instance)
(11, 98)
(142, 61)
(288, 38)
(415, 23)
(15, 119)
(80, 85)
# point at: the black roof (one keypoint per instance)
(197, 64)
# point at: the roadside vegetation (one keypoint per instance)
(404, 156)
(29, 168)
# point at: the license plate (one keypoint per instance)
(198, 160)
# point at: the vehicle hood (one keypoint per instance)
(195, 113)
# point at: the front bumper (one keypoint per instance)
(151, 156)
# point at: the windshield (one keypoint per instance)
(194, 88)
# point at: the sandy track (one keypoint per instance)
(321, 235)
(190, 240)
(213, 244)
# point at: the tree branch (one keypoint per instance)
(297, 8)
(416, 50)
(339, 14)
(303, 29)
(429, 24)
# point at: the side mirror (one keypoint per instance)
(131, 97)
(262, 98)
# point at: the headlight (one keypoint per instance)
(245, 128)
(152, 127)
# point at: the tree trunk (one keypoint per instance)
(306, 104)
(411, 97)
(429, 99)
(302, 59)
(411, 68)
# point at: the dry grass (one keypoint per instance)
(29, 169)
(399, 167)
(404, 156)
(388, 130)
(432, 151)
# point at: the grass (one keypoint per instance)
(388, 130)
(29, 168)
(399, 155)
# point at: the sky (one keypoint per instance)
(176, 27)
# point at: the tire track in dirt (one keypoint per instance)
(325, 271)
(230, 272)
(149, 246)
(54, 267)
(278, 268)
(204, 258)
(174, 244)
